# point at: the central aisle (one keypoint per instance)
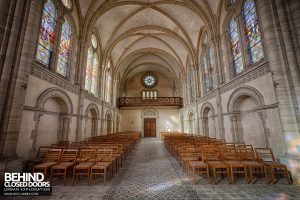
(151, 173)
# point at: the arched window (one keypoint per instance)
(108, 91)
(235, 45)
(64, 49)
(211, 68)
(191, 85)
(46, 36)
(205, 74)
(253, 35)
(91, 73)
(208, 70)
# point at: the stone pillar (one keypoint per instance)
(279, 52)
(22, 40)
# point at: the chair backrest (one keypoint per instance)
(42, 152)
(53, 155)
(210, 154)
(194, 153)
(69, 155)
(264, 154)
(87, 154)
(246, 153)
(229, 155)
(104, 154)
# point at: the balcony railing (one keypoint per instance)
(159, 101)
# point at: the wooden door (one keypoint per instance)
(149, 127)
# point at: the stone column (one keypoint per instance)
(276, 38)
(21, 45)
(285, 71)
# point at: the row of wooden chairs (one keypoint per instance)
(91, 157)
(205, 155)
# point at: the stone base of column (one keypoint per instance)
(293, 163)
(10, 165)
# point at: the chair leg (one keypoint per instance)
(65, 176)
(74, 174)
(194, 175)
(105, 175)
(251, 176)
(51, 176)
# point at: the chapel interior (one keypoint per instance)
(153, 82)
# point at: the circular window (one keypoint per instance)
(149, 80)
(67, 3)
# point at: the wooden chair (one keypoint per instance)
(40, 156)
(231, 157)
(247, 156)
(67, 161)
(85, 162)
(52, 158)
(196, 163)
(272, 168)
(213, 160)
(104, 162)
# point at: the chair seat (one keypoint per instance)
(198, 164)
(84, 165)
(235, 163)
(101, 165)
(252, 163)
(63, 165)
(45, 165)
(217, 164)
(274, 164)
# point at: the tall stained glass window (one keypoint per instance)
(205, 74)
(46, 36)
(108, 87)
(236, 49)
(255, 47)
(208, 66)
(64, 49)
(211, 68)
(91, 72)
(191, 85)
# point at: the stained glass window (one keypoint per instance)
(46, 37)
(236, 49)
(211, 67)
(91, 71)
(191, 85)
(108, 87)
(208, 66)
(205, 74)
(64, 49)
(255, 47)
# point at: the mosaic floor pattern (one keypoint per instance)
(150, 172)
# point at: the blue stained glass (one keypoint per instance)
(64, 49)
(235, 47)
(46, 36)
(253, 34)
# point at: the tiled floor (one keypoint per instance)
(151, 173)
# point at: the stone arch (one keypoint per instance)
(208, 120)
(91, 120)
(236, 97)
(148, 113)
(61, 96)
(191, 117)
(245, 104)
(109, 120)
(48, 121)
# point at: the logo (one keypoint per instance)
(25, 184)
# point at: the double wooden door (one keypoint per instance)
(150, 127)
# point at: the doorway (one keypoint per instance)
(149, 127)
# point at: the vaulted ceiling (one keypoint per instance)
(149, 35)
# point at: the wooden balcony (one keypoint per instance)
(140, 102)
